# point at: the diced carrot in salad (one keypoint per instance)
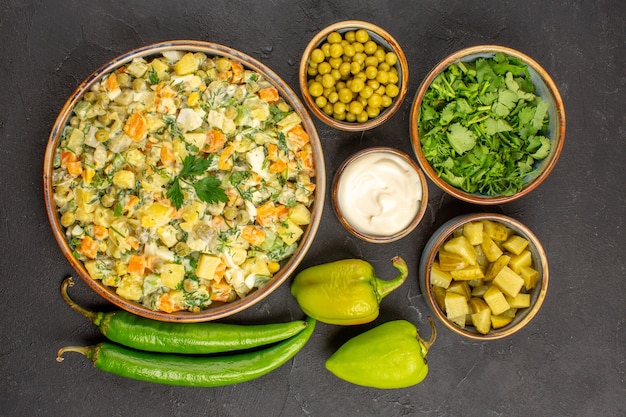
(269, 94)
(297, 137)
(215, 141)
(253, 235)
(136, 127)
(136, 265)
(221, 291)
(88, 247)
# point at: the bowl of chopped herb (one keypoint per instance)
(487, 124)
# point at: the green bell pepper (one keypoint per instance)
(345, 292)
(391, 355)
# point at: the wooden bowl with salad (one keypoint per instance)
(184, 181)
(485, 276)
(353, 75)
(487, 124)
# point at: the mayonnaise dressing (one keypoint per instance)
(379, 193)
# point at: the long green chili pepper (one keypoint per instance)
(191, 338)
(192, 370)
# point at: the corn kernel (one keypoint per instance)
(193, 99)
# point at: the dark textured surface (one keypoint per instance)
(570, 360)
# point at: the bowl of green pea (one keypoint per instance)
(487, 124)
(353, 75)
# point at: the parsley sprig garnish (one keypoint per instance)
(207, 189)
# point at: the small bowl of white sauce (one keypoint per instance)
(380, 194)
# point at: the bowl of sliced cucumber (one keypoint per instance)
(485, 276)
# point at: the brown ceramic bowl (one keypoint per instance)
(382, 38)
(545, 88)
(217, 309)
(523, 315)
(380, 194)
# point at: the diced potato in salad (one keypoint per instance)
(482, 276)
(183, 180)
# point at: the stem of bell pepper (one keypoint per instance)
(384, 287)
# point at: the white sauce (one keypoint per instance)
(379, 194)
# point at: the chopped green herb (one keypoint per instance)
(482, 127)
(207, 189)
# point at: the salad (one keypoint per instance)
(183, 180)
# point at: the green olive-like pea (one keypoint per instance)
(355, 68)
(339, 107)
(382, 77)
(380, 90)
(370, 72)
(350, 36)
(345, 95)
(328, 109)
(336, 74)
(336, 50)
(383, 66)
(325, 47)
(380, 54)
(372, 112)
(334, 38)
(344, 69)
(359, 57)
(362, 36)
(374, 101)
(335, 62)
(393, 77)
(391, 58)
(370, 47)
(339, 116)
(392, 90)
(317, 56)
(316, 89)
(371, 61)
(366, 92)
(355, 107)
(386, 101)
(362, 117)
(333, 97)
(373, 83)
(321, 101)
(102, 135)
(324, 68)
(328, 80)
(349, 50)
(311, 71)
(350, 117)
(357, 85)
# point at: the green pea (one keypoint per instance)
(321, 101)
(334, 38)
(328, 80)
(317, 56)
(392, 90)
(362, 36)
(370, 47)
(391, 58)
(324, 68)
(370, 72)
(345, 95)
(316, 89)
